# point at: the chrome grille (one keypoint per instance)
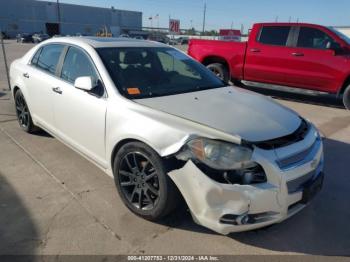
(300, 157)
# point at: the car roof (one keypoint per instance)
(100, 42)
(289, 24)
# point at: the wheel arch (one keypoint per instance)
(216, 59)
(344, 86)
(15, 89)
(121, 143)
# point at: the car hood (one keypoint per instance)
(232, 110)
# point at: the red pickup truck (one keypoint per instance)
(282, 55)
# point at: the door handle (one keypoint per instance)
(57, 90)
(297, 54)
(255, 50)
(26, 75)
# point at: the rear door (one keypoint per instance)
(80, 115)
(40, 77)
(312, 64)
(268, 54)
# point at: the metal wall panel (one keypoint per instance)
(29, 16)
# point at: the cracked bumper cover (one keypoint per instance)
(270, 202)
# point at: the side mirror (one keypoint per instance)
(84, 83)
(334, 46)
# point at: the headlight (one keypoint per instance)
(220, 155)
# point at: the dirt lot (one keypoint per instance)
(53, 201)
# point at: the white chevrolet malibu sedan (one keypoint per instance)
(163, 126)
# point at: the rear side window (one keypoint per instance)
(49, 57)
(274, 35)
(313, 38)
(76, 64)
(36, 57)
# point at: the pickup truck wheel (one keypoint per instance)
(346, 98)
(220, 71)
(142, 182)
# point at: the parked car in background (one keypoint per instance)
(139, 37)
(161, 124)
(172, 41)
(283, 56)
(183, 40)
(24, 38)
(37, 38)
(161, 38)
(124, 36)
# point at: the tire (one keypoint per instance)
(147, 178)
(23, 114)
(220, 71)
(346, 98)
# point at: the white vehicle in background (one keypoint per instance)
(162, 125)
(37, 38)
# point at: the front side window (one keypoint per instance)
(77, 64)
(313, 38)
(155, 71)
(274, 35)
(49, 57)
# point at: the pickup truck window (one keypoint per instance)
(274, 35)
(313, 38)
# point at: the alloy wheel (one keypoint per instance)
(216, 72)
(139, 181)
(22, 111)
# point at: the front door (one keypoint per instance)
(80, 115)
(312, 64)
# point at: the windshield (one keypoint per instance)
(340, 34)
(149, 72)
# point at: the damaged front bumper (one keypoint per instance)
(227, 208)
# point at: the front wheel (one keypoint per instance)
(346, 98)
(142, 182)
(220, 71)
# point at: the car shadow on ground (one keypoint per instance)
(42, 133)
(18, 233)
(322, 228)
(323, 100)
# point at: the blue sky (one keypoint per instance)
(222, 13)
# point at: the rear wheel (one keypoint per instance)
(142, 182)
(220, 71)
(346, 98)
(23, 114)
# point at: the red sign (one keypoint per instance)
(174, 26)
(230, 35)
(230, 32)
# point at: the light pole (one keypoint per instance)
(204, 13)
(5, 59)
(58, 17)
